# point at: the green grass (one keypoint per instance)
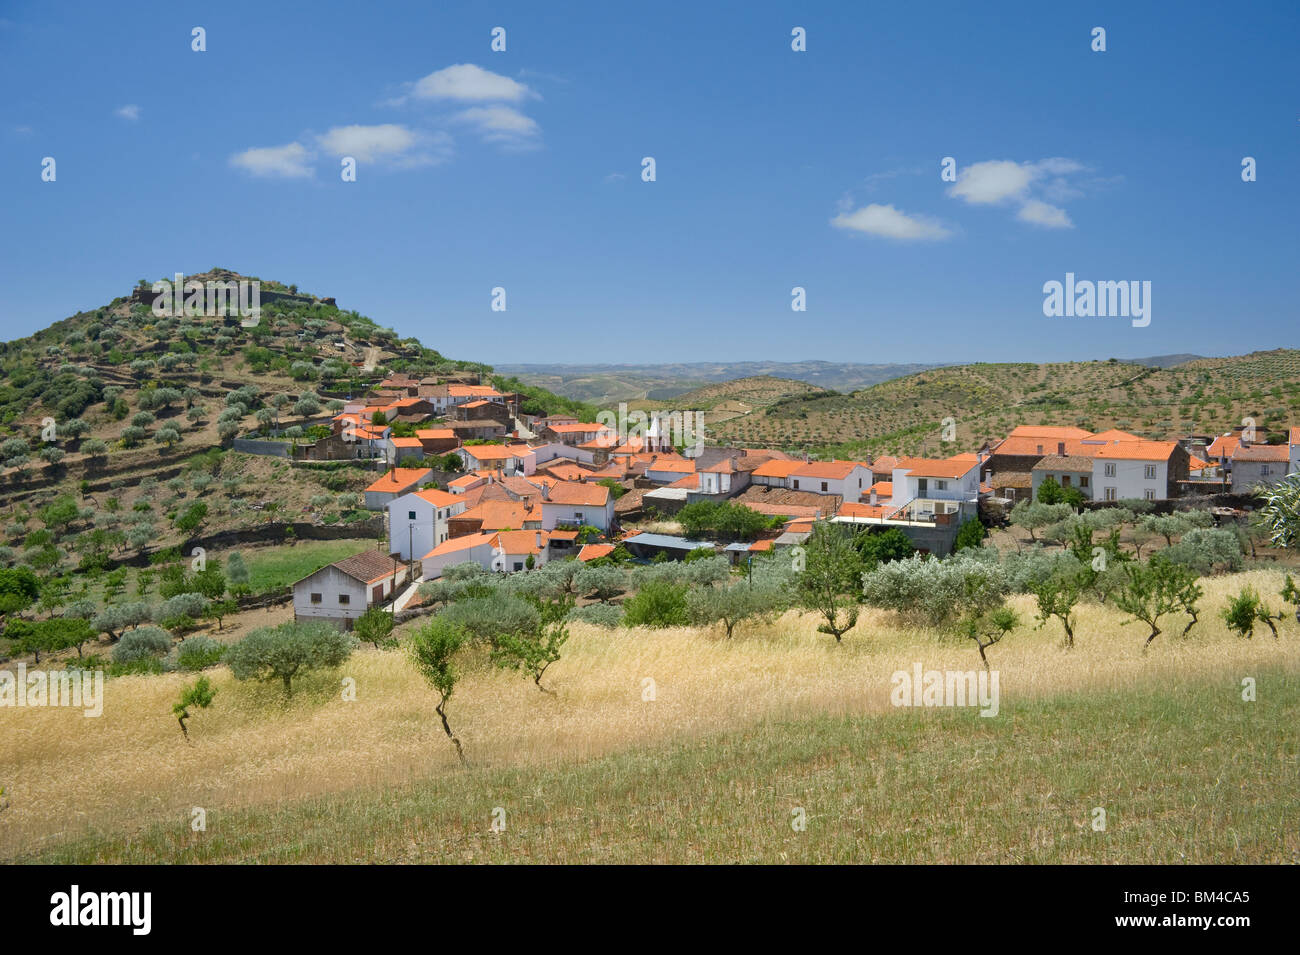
(272, 567)
(1187, 772)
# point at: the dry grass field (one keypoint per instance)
(739, 732)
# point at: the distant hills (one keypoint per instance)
(608, 383)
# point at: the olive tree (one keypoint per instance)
(288, 650)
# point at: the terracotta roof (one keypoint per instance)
(942, 468)
(1015, 479)
(399, 479)
(777, 468)
(467, 481)
(883, 488)
(1224, 445)
(521, 542)
(405, 442)
(884, 464)
(431, 433)
(1293, 436)
(672, 465)
(581, 427)
(592, 551)
(691, 482)
(489, 452)
(1071, 462)
(833, 470)
(496, 515)
(725, 466)
(1138, 450)
(572, 493)
(1114, 434)
(1262, 452)
(439, 498)
(453, 544)
(761, 545)
(368, 566)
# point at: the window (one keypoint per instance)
(823, 487)
(410, 515)
(1149, 494)
(345, 599)
(1083, 481)
(1263, 470)
(1065, 480)
(1149, 472)
(941, 485)
(1110, 494)
(577, 516)
(519, 565)
(796, 484)
(1110, 470)
(315, 598)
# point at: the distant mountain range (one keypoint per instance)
(603, 384)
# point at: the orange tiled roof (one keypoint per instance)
(1137, 450)
(1262, 452)
(399, 479)
(453, 544)
(592, 551)
(573, 493)
(777, 468)
(832, 470)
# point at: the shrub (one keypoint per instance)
(598, 615)
(657, 604)
(142, 643)
(199, 653)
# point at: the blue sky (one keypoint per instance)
(775, 169)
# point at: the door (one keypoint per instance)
(377, 594)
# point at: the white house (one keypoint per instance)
(475, 548)
(667, 470)
(549, 452)
(395, 483)
(723, 478)
(776, 473)
(1254, 464)
(510, 459)
(342, 591)
(1138, 469)
(849, 479)
(513, 548)
(417, 522)
(936, 486)
(576, 504)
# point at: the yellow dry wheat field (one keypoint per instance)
(67, 774)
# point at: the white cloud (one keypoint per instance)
(1040, 213)
(129, 111)
(500, 124)
(993, 181)
(466, 82)
(890, 223)
(288, 162)
(387, 142)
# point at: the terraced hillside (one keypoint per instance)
(985, 401)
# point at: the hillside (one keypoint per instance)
(728, 399)
(114, 421)
(610, 384)
(1206, 396)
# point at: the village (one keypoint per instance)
(466, 478)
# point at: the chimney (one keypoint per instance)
(1060, 448)
(546, 492)
(539, 540)
(872, 498)
(805, 457)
